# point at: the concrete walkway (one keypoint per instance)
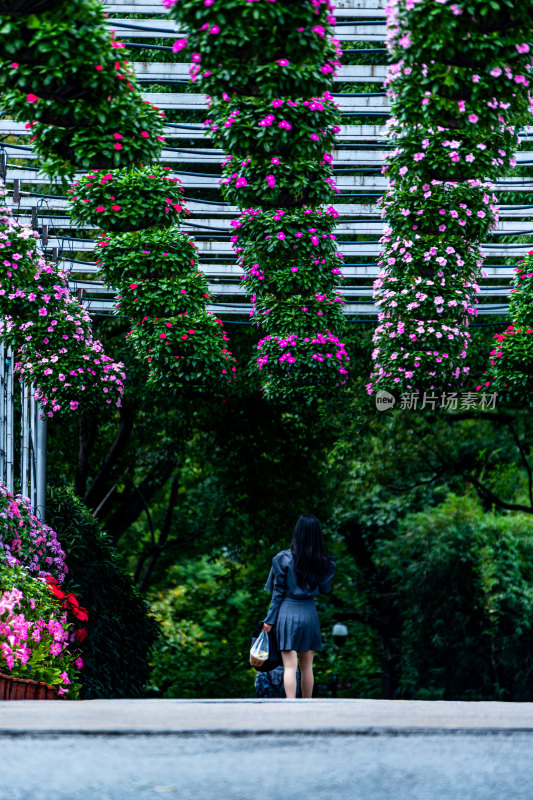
(252, 717)
(281, 750)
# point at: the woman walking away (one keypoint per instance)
(296, 577)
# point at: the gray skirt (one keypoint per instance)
(297, 626)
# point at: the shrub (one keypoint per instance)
(120, 630)
(466, 600)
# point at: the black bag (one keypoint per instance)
(274, 656)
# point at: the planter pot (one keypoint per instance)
(24, 689)
(19, 8)
(134, 225)
(63, 92)
(66, 120)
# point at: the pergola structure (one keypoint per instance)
(142, 25)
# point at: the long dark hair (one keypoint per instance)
(311, 562)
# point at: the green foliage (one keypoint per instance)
(304, 129)
(54, 54)
(97, 145)
(164, 298)
(128, 200)
(299, 314)
(493, 154)
(207, 621)
(287, 183)
(32, 623)
(465, 593)
(285, 46)
(120, 628)
(148, 254)
(184, 351)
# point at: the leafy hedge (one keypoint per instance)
(120, 628)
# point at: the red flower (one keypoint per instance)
(99, 68)
(54, 588)
(81, 634)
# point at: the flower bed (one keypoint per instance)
(39, 621)
(511, 360)
(27, 542)
(37, 638)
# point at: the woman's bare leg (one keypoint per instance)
(290, 664)
(306, 672)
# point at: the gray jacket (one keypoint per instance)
(282, 583)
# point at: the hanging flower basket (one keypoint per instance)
(24, 689)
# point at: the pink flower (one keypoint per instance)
(283, 62)
(115, 208)
(180, 44)
(31, 98)
(118, 146)
(100, 208)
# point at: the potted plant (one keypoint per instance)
(129, 200)
(149, 254)
(186, 351)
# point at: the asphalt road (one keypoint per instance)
(416, 766)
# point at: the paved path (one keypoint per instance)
(261, 716)
(323, 750)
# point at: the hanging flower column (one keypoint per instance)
(63, 76)
(155, 269)
(275, 118)
(458, 91)
(511, 360)
(49, 330)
